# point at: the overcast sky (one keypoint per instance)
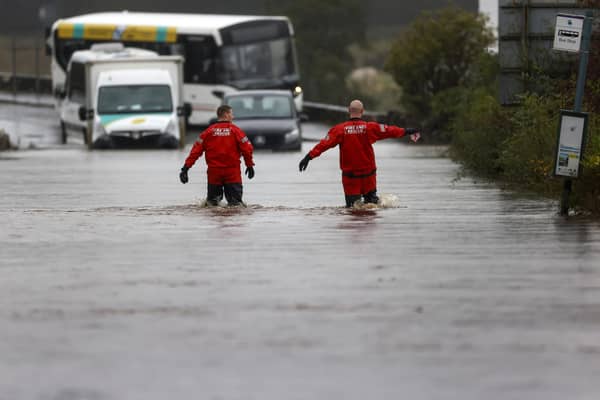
(490, 7)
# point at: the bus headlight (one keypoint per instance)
(297, 91)
(292, 136)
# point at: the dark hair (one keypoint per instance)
(222, 110)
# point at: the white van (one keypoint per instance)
(120, 95)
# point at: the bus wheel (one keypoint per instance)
(63, 133)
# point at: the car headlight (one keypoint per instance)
(297, 91)
(172, 128)
(292, 136)
(99, 128)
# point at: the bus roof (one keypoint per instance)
(184, 23)
(98, 53)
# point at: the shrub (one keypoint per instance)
(527, 154)
(586, 189)
(478, 131)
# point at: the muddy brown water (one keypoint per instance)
(116, 284)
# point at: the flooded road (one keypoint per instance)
(116, 284)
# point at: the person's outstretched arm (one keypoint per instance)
(332, 139)
(382, 131)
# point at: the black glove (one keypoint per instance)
(183, 176)
(304, 162)
(250, 172)
(411, 131)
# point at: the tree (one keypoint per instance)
(324, 30)
(439, 52)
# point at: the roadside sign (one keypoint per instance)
(567, 33)
(571, 139)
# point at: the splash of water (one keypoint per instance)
(203, 203)
(389, 201)
(385, 201)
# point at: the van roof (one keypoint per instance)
(134, 77)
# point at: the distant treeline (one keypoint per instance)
(383, 16)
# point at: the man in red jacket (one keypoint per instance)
(357, 159)
(224, 144)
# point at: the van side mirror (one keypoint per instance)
(85, 114)
(185, 110)
(60, 92)
(218, 93)
(48, 32)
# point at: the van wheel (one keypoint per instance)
(63, 133)
(168, 142)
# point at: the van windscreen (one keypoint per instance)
(128, 99)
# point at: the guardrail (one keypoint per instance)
(333, 114)
(39, 84)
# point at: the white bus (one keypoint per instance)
(223, 53)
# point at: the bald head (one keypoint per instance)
(356, 109)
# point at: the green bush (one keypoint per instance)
(478, 130)
(517, 146)
(438, 52)
(527, 154)
(586, 189)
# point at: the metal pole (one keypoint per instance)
(14, 66)
(583, 62)
(37, 68)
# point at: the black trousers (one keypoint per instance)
(370, 197)
(233, 194)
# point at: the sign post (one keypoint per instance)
(572, 131)
(572, 33)
(567, 33)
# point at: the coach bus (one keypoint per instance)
(223, 53)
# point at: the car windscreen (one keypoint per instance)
(134, 99)
(260, 106)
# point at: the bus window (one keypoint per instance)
(262, 64)
(200, 53)
(76, 83)
(66, 47)
(258, 54)
(254, 31)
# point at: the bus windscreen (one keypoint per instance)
(265, 64)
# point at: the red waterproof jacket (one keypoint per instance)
(355, 138)
(223, 143)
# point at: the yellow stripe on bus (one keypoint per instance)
(128, 33)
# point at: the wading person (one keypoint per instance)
(224, 144)
(357, 158)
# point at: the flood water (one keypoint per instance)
(116, 284)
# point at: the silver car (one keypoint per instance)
(268, 117)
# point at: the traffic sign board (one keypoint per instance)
(567, 34)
